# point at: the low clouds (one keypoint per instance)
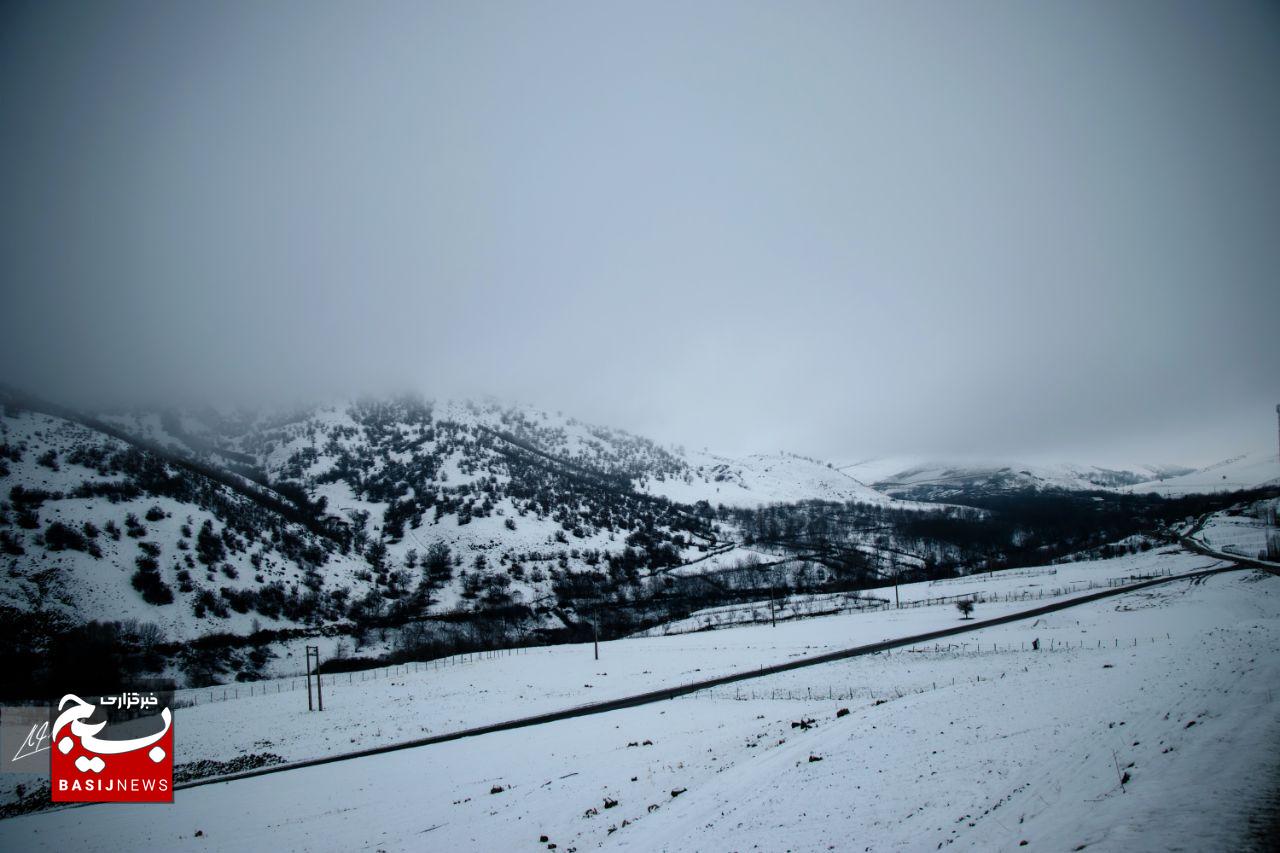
(841, 229)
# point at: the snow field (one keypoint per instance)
(379, 707)
(1033, 751)
(395, 704)
(1246, 471)
(1024, 585)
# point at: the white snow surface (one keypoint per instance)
(1244, 532)
(761, 479)
(416, 701)
(975, 744)
(1244, 471)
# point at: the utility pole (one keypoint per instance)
(773, 612)
(314, 652)
(595, 627)
(1278, 421)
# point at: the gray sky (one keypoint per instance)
(1043, 230)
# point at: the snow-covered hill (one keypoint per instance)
(1250, 470)
(92, 527)
(207, 521)
(759, 480)
(934, 480)
(329, 514)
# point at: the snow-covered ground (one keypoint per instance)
(400, 703)
(978, 745)
(1013, 585)
(388, 705)
(1245, 533)
(1033, 735)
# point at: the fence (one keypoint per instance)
(697, 687)
(983, 577)
(760, 613)
(844, 693)
(786, 610)
(193, 696)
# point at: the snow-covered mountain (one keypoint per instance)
(380, 511)
(935, 480)
(94, 527)
(207, 521)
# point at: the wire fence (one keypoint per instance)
(194, 696)
(732, 616)
(986, 577)
(848, 692)
(191, 697)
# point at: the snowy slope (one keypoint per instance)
(882, 468)
(915, 477)
(459, 474)
(86, 482)
(1034, 754)
(759, 480)
(981, 744)
(1245, 471)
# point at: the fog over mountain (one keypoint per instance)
(1014, 231)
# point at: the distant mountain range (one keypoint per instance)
(207, 521)
(920, 479)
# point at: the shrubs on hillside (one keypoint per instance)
(60, 537)
(153, 588)
(10, 545)
(209, 546)
(147, 580)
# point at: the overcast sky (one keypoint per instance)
(1034, 230)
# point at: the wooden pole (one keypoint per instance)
(307, 667)
(314, 651)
